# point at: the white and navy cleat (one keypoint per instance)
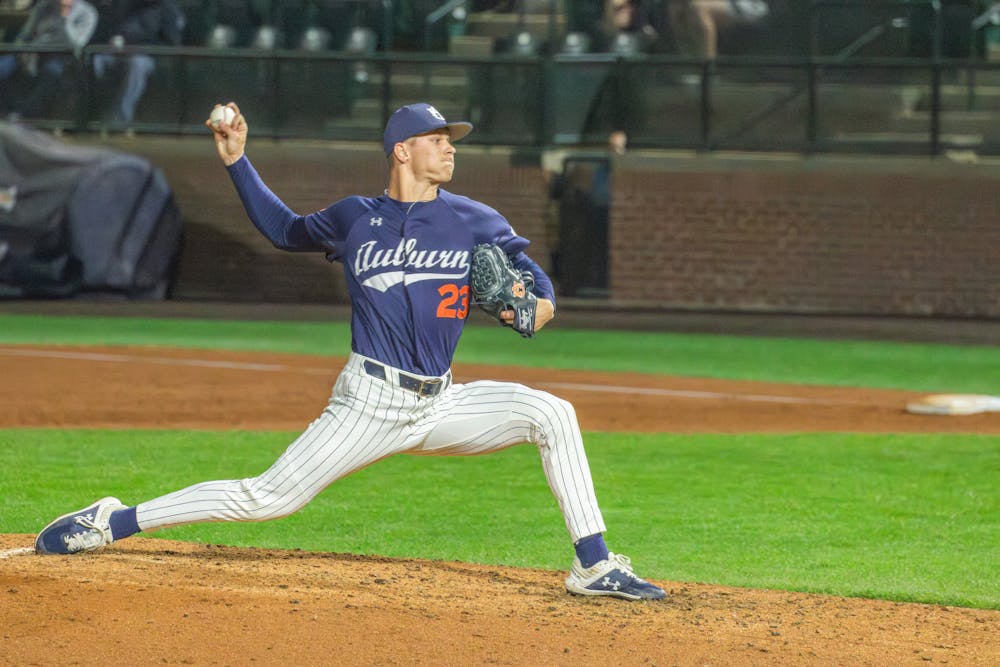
(613, 577)
(84, 530)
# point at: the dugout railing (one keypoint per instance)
(810, 104)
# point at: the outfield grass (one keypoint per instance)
(919, 367)
(900, 517)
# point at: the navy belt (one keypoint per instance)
(417, 385)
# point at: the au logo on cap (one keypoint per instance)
(414, 119)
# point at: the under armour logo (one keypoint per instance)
(437, 114)
(614, 585)
(375, 222)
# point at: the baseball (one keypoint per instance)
(221, 115)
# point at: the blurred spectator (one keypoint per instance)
(136, 23)
(13, 14)
(625, 29)
(65, 23)
(697, 23)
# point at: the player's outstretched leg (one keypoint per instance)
(485, 416)
(612, 576)
(86, 529)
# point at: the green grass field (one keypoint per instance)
(901, 517)
(921, 367)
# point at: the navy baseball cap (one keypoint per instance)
(414, 119)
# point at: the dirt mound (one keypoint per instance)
(149, 601)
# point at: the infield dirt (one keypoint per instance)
(149, 601)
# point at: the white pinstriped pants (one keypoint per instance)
(369, 419)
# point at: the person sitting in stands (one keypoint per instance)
(65, 23)
(696, 23)
(136, 22)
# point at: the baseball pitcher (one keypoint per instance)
(415, 259)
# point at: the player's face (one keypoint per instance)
(432, 156)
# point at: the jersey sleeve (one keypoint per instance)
(508, 239)
(283, 227)
(543, 284)
(500, 232)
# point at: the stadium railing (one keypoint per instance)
(812, 104)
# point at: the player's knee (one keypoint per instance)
(565, 408)
(558, 415)
(265, 502)
(559, 407)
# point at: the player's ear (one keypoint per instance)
(401, 151)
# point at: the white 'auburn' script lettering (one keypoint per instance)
(369, 257)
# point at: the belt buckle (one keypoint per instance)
(430, 387)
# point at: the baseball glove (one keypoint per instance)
(497, 286)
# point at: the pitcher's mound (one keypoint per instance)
(154, 601)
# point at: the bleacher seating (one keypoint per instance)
(346, 81)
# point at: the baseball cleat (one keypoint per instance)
(84, 530)
(613, 577)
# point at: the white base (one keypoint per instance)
(954, 404)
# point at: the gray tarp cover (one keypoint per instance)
(79, 219)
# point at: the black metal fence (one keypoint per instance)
(920, 106)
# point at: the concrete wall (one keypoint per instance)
(870, 236)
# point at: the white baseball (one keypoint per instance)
(221, 115)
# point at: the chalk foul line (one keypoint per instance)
(167, 361)
(10, 553)
(693, 393)
(105, 357)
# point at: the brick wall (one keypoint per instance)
(876, 236)
(859, 236)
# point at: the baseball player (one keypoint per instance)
(406, 258)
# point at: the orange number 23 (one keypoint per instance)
(454, 301)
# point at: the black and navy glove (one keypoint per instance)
(497, 286)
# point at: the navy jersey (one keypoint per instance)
(406, 264)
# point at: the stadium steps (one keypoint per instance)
(501, 25)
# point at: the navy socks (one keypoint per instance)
(591, 550)
(123, 523)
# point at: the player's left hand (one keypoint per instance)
(544, 312)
